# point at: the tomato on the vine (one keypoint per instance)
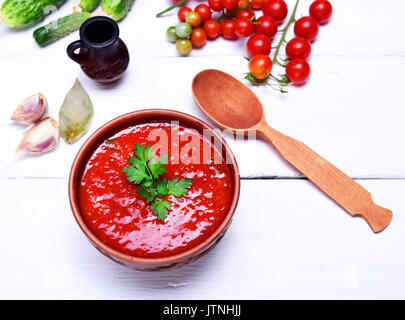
(321, 10)
(306, 27)
(266, 25)
(198, 37)
(182, 13)
(258, 4)
(184, 46)
(298, 70)
(204, 11)
(277, 9)
(228, 29)
(239, 20)
(183, 30)
(258, 44)
(212, 28)
(260, 66)
(216, 5)
(193, 19)
(243, 27)
(230, 4)
(171, 34)
(244, 13)
(298, 48)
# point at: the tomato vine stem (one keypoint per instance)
(230, 13)
(171, 8)
(284, 30)
(282, 81)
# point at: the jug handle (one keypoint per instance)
(77, 57)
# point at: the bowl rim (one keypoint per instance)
(164, 114)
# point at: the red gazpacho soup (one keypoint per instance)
(123, 219)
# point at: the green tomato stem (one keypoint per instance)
(285, 29)
(171, 8)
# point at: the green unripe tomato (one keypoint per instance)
(171, 34)
(183, 30)
(184, 46)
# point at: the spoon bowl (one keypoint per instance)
(228, 103)
(233, 106)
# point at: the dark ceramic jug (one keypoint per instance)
(102, 55)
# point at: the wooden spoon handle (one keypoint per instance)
(337, 185)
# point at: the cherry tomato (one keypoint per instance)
(258, 44)
(306, 27)
(204, 11)
(198, 37)
(298, 71)
(230, 4)
(183, 30)
(260, 66)
(182, 13)
(184, 46)
(277, 9)
(298, 48)
(228, 29)
(193, 19)
(266, 25)
(321, 10)
(212, 28)
(245, 13)
(243, 27)
(258, 4)
(216, 5)
(243, 3)
(171, 34)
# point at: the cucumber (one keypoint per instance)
(24, 13)
(60, 28)
(89, 5)
(117, 9)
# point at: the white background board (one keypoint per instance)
(287, 239)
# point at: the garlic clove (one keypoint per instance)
(40, 137)
(31, 110)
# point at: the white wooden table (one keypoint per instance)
(287, 239)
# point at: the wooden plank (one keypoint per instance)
(355, 125)
(345, 112)
(287, 240)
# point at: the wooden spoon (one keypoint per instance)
(232, 105)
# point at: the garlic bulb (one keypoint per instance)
(40, 137)
(31, 110)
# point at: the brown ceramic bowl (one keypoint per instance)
(118, 124)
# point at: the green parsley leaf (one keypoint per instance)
(156, 166)
(153, 190)
(144, 170)
(179, 188)
(135, 174)
(160, 208)
(162, 187)
(143, 153)
(144, 192)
